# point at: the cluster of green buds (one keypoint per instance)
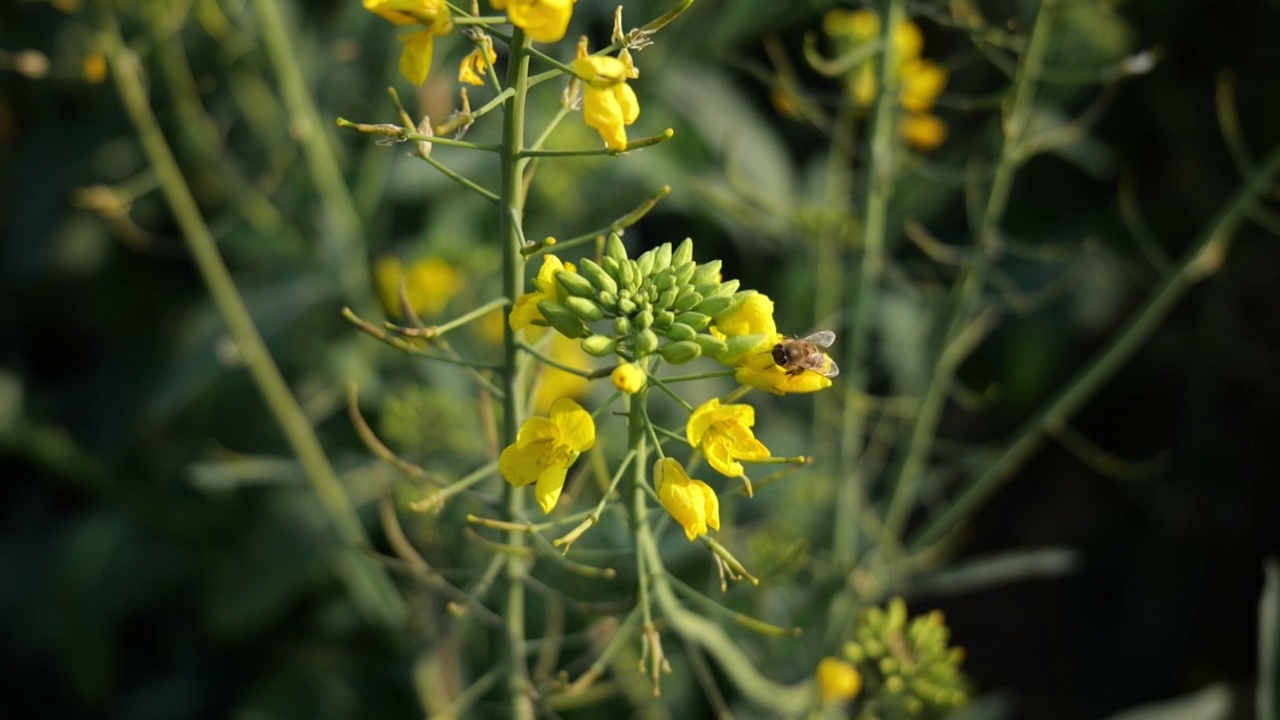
(907, 667)
(660, 302)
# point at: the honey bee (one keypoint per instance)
(796, 355)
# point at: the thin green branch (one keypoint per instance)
(632, 146)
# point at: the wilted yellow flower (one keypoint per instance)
(525, 311)
(838, 681)
(477, 63)
(758, 369)
(691, 502)
(430, 284)
(545, 448)
(628, 377)
(609, 104)
(556, 383)
(415, 58)
(95, 68)
(543, 21)
(723, 433)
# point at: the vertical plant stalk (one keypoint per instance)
(1203, 258)
(880, 181)
(322, 159)
(968, 289)
(511, 213)
(370, 587)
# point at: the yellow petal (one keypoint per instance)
(408, 12)
(538, 428)
(525, 310)
(415, 58)
(550, 484)
(601, 112)
(922, 82)
(577, 429)
(721, 459)
(752, 316)
(701, 420)
(691, 502)
(520, 465)
(543, 21)
(628, 102)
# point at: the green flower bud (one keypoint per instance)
(686, 300)
(662, 257)
(683, 253)
(644, 264)
(713, 305)
(586, 309)
(630, 274)
(707, 273)
(599, 345)
(665, 280)
(678, 353)
(684, 272)
(711, 346)
(738, 346)
(644, 319)
(645, 342)
(621, 326)
(707, 289)
(614, 248)
(663, 319)
(727, 288)
(608, 300)
(562, 319)
(614, 268)
(626, 306)
(597, 275)
(666, 298)
(680, 332)
(576, 285)
(695, 320)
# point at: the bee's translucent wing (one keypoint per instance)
(831, 369)
(822, 338)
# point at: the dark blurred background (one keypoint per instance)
(143, 574)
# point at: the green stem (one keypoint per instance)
(368, 583)
(1201, 260)
(511, 206)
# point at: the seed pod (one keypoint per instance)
(645, 342)
(614, 248)
(644, 319)
(586, 309)
(645, 264)
(686, 300)
(563, 320)
(679, 353)
(740, 345)
(707, 273)
(666, 299)
(683, 253)
(684, 272)
(575, 284)
(680, 332)
(621, 326)
(695, 320)
(626, 306)
(713, 305)
(662, 257)
(663, 319)
(711, 345)
(599, 345)
(598, 276)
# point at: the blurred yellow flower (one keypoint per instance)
(723, 433)
(556, 383)
(856, 24)
(924, 132)
(691, 502)
(758, 370)
(922, 83)
(838, 681)
(609, 104)
(477, 63)
(95, 68)
(430, 283)
(415, 58)
(628, 377)
(543, 21)
(525, 311)
(545, 448)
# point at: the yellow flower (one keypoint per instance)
(609, 104)
(545, 448)
(415, 58)
(430, 284)
(691, 502)
(723, 433)
(922, 83)
(556, 383)
(95, 68)
(629, 378)
(838, 681)
(477, 63)
(758, 370)
(753, 316)
(923, 132)
(543, 21)
(525, 310)
(859, 25)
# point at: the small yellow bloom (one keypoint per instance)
(429, 283)
(543, 21)
(609, 104)
(922, 83)
(923, 132)
(629, 378)
(525, 310)
(838, 681)
(753, 316)
(723, 433)
(545, 448)
(95, 68)
(691, 502)
(757, 369)
(415, 58)
(477, 63)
